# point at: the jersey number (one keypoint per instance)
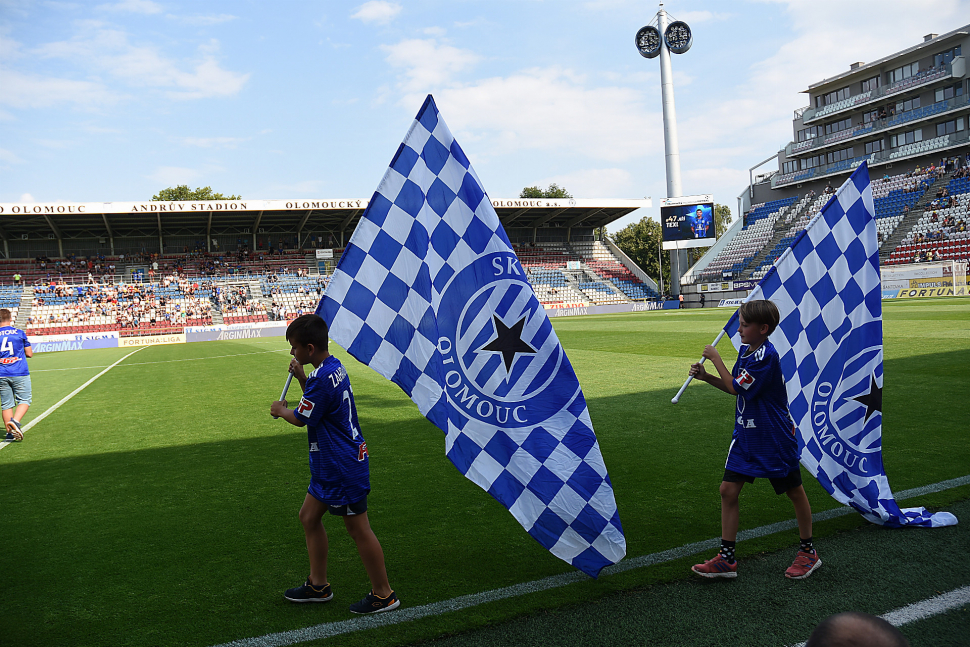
(6, 346)
(350, 414)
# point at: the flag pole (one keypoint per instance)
(676, 398)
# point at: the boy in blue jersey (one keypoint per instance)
(339, 466)
(14, 375)
(763, 444)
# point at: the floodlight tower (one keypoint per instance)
(661, 40)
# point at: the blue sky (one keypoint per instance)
(113, 101)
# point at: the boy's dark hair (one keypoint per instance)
(761, 312)
(308, 329)
(5, 315)
(856, 629)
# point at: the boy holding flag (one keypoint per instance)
(763, 444)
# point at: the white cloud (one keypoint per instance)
(101, 48)
(377, 11)
(694, 17)
(132, 6)
(34, 91)
(26, 197)
(9, 157)
(549, 109)
(593, 183)
(204, 21)
(427, 64)
(434, 31)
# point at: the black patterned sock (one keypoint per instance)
(807, 545)
(727, 550)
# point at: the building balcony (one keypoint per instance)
(907, 151)
(907, 118)
(922, 79)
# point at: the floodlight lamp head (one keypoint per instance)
(678, 37)
(648, 42)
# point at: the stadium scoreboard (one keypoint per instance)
(687, 221)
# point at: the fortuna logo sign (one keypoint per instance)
(305, 407)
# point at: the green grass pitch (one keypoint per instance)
(159, 505)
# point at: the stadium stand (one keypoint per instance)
(939, 234)
(10, 299)
(750, 241)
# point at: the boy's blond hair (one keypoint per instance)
(762, 312)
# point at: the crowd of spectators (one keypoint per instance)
(128, 305)
(235, 302)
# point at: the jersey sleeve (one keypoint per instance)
(755, 375)
(26, 341)
(315, 401)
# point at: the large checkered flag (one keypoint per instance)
(826, 287)
(430, 295)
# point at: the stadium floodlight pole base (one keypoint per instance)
(286, 387)
(676, 398)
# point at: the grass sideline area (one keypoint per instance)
(159, 505)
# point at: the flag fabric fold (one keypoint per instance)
(826, 287)
(430, 294)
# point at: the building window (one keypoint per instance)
(948, 127)
(832, 97)
(946, 57)
(871, 84)
(874, 147)
(949, 92)
(789, 167)
(839, 155)
(871, 116)
(811, 162)
(903, 72)
(809, 133)
(908, 104)
(838, 126)
(910, 137)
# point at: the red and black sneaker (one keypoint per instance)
(716, 567)
(803, 565)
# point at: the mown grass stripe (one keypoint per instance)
(925, 608)
(70, 395)
(331, 629)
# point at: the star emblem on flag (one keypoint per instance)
(508, 342)
(872, 398)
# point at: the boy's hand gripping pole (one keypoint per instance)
(676, 398)
(286, 387)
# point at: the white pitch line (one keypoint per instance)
(331, 629)
(162, 361)
(63, 400)
(925, 608)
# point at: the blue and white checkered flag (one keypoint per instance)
(429, 293)
(826, 288)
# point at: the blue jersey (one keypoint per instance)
(13, 360)
(764, 442)
(339, 464)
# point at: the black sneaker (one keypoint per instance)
(374, 604)
(309, 593)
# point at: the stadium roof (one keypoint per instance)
(67, 220)
(867, 69)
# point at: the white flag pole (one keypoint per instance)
(691, 377)
(286, 387)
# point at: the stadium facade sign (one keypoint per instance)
(249, 332)
(195, 206)
(603, 310)
(155, 340)
(73, 344)
(81, 336)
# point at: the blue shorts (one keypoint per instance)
(14, 390)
